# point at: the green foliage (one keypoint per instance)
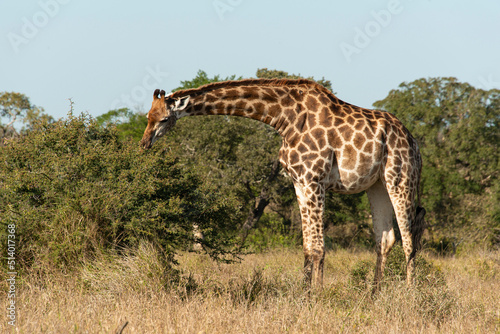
(13, 105)
(271, 232)
(17, 107)
(74, 189)
(360, 273)
(129, 125)
(347, 221)
(442, 246)
(425, 272)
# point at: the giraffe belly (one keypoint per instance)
(347, 181)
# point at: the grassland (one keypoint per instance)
(262, 294)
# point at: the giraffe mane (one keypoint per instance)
(252, 82)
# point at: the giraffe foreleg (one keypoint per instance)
(311, 203)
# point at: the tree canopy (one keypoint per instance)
(16, 108)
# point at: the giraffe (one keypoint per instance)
(327, 144)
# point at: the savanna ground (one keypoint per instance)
(264, 293)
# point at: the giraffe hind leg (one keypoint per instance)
(406, 212)
(382, 213)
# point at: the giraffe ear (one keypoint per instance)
(182, 103)
(156, 93)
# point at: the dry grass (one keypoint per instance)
(262, 294)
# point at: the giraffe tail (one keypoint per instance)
(418, 226)
(417, 230)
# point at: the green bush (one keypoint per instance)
(359, 274)
(426, 273)
(442, 246)
(73, 189)
(271, 232)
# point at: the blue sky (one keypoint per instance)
(109, 54)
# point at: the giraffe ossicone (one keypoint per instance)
(327, 144)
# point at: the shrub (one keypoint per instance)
(442, 246)
(271, 232)
(359, 274)
(73, 189)
(426, 273)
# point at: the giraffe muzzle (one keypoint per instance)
(162, 128)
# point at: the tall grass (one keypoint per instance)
(262, 294)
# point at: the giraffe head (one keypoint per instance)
(162, 116)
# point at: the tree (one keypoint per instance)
(130, 125)
(16, 107)
(456, 126)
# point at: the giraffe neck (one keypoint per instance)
(274, 102)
